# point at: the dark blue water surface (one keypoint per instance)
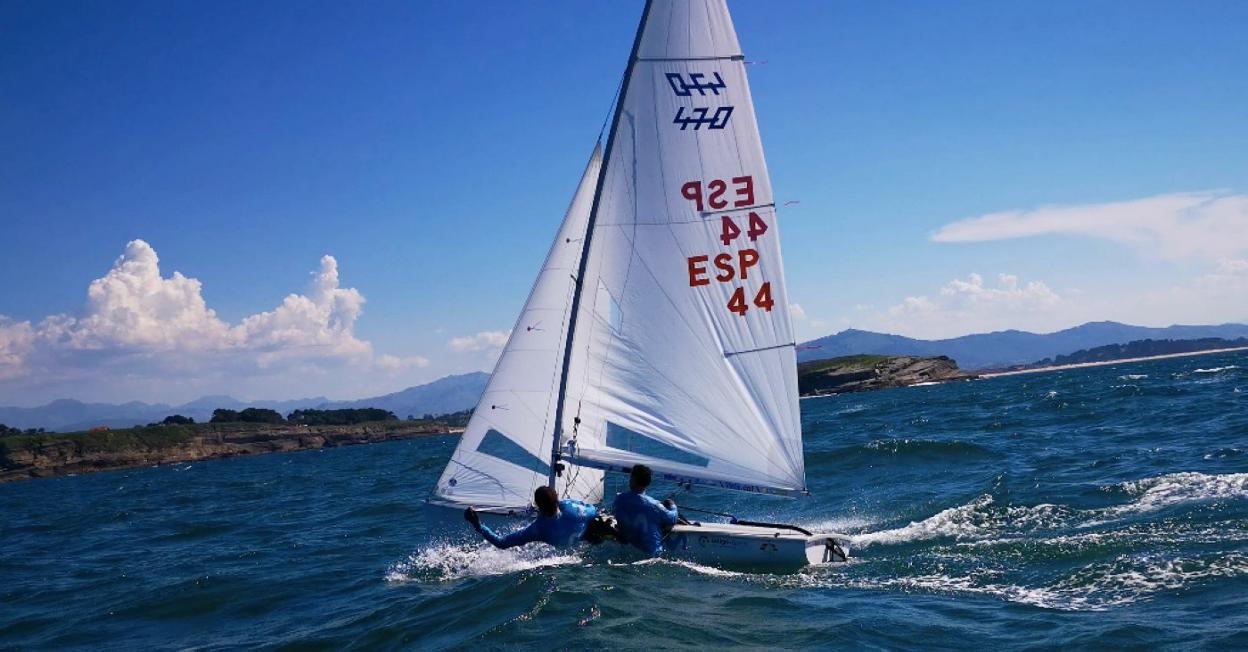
(1093, 507)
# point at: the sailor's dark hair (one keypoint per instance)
(640, 476)
(546, 499)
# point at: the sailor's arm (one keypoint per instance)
(668, 515)
(527, 535)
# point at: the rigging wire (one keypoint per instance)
(610, 111)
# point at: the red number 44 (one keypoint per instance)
(763, 300)
(730, 231)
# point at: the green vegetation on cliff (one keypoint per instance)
(344, 417)
(142, 437)
(42, 455)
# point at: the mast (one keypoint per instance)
(584, 262)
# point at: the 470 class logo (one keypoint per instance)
(684, 85)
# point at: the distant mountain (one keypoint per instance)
(1006, 348)
(443, 396)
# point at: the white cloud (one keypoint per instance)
(483, 341)
(395, 364)
(319, 323)
(133, 307)
(1197, 225)
(796, 311)
(16, 342)
(971, 305)
(140, 328)
(1229, 267)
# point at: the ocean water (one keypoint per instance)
(1101, 507)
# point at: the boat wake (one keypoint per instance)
(974, 548)
(1126, 579)
(983, 518)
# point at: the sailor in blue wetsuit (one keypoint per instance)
(640, 519)
(561, 523)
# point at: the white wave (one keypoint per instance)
(1215, 370)
(689, 565)
(981, 519)
(1176, 488)
(1133, 377)
(1051, 394)
(1145, 534)
(444, 562)
(976, 520)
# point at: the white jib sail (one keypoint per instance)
(505, 451)
(683, 355)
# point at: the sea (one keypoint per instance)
(1102, 507)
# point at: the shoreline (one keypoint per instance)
(1105, 363)
(27, 457)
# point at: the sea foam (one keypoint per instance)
(444, 562)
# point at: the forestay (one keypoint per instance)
(683, 355)
(504, 453)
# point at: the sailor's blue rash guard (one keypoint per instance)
(563, 530)
(642, 520)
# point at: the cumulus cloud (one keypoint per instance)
(139, 325)
(319, 323)
(969, 305)
(1196, 225)
(483, 341)
(16, 342)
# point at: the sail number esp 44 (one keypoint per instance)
(728, 267)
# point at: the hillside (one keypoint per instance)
(442, 396)
(1006, 348)
(858, 373)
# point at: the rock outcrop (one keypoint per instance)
(858, 373)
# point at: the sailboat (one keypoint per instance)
(658, 330)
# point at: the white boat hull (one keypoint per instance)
(731, 545)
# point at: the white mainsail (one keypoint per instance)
(683, 351)
(505, 452)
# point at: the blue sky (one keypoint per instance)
(1093, 153)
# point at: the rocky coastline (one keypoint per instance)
(860, 373)
(48, 455)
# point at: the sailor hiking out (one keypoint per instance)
(560, 523)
